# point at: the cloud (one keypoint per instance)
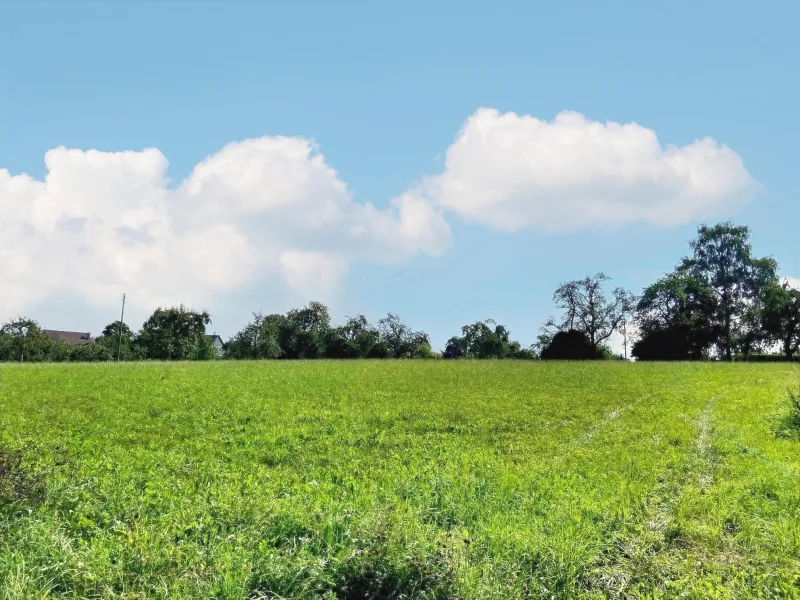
(101, 223)
(313, 273)
(512, 172)
(793, 282)
(272, 209)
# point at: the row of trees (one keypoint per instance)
(719, 302)
(307, 333)
(169, 334)
(179, 333)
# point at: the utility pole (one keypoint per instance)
(121, 322)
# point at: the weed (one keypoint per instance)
(794, 408)
(787, 423)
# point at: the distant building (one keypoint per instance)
(217, 344)
(69, 337)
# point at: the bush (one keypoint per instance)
(571, 345)
(424, 351)
(519, 353)
(63, 352)
(767, 358)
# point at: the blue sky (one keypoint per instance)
(383, 91)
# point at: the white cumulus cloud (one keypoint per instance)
(311, 272)
(512, 171)
(101, 223)
(271, 208)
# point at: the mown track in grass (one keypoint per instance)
(400, 479)
(633, 562)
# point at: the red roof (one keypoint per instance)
(69, 337)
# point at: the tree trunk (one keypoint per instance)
(728, 351)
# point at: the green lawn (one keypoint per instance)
(398, 480)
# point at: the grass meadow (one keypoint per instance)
(398, 479)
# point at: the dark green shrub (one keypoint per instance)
(571, 345)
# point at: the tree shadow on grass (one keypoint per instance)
(17, 486)
(383, 581)
(373, 575)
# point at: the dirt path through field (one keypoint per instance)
(640, 555)
(610, 416)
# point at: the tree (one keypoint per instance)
(572, 345)
(661, 344)
(587, 309)
(23, 340)
(516, 351)
(722, 260)
(484, 339)
(118, 340)
(304, 331)
(82, 352)
(395, 334)
(307, 333)
(357, 338)
(258, 339)
(455, 348)
(780, 316)
(675, 319)
(401, 341)
(176, 333)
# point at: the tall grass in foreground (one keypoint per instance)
(794, 406)
(397, 480)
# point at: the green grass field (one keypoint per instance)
(398, 480)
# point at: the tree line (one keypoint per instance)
(720, 301)
(179, 333)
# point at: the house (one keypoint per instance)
(69, 337)
(217, 344)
